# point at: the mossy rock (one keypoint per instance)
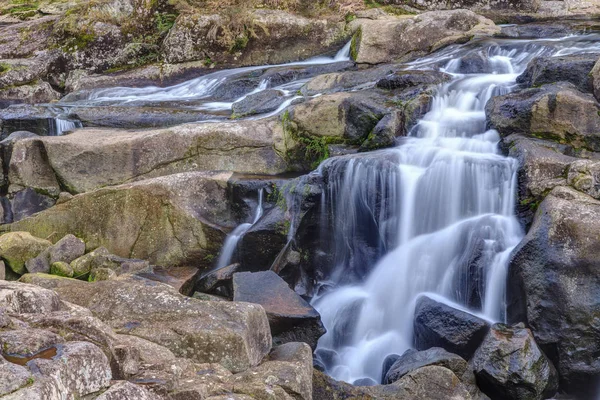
(16, 248)
(61, 269)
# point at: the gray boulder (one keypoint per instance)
(258, 103)
(412, 360)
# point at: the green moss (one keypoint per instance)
(355, 44)
(350, 17)
(283, 227)
(4, 68)
(164, 22)
(314, 150)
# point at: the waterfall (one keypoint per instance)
(64, 125)
(232, 240)
(433, 215)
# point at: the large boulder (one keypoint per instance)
(395, 38)
(65, 250)
(270, 37)
(572, 68)
(291, 318)
(412, 360)
(556, 112)
(554, 286)
(510, 365)
(16, 248)
(133, 214)
(258, 103)
(236, 335)
(439, 325)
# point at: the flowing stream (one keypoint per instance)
(434, 215)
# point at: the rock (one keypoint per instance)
(479, 5)
(288, 366)
(29, 168)
(2, 271)
(65, 250)
(235, 335)
(124, 390)
(290, 317)
(280, 37)
(595, 74)
(38, 92)
(548, 112)
(572, 68)
(510, 365)
(388, 362)
(413, 360)
(396, 38)
(258, 103)
(21, 298)
(364, 382)
(536, 30)
(134, 213)
(384, 133)
(81, 366)
(221, 277)
(28, 202)
(18, 247)
(439, 325)
(557, 255)
(61, 269)
(401, 80)
(24, 343)
(182, 279)
(347, 80)
(102, 274)
(12, 377)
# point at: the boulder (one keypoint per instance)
(38, 92)
(347, 80)
(12, 377)
(29, 168)
(572, 68)
(101, 258)
(65, 250)
(18, 247)
(124, 390)
(390, 39)
(291, 318)
(557, 112)
(595, 74)
(26, 343)
(279, 37)
(439, 325)
(258, 103)
(20, 298)
(510, 365)
(134, 213)
(412, 360)
(235, 335)
(384, 133)
(102, 274)
(558, 254)
(218, 278)
(477, 5)
(28, 202)
(401, 80)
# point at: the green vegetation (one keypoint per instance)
(314, 150)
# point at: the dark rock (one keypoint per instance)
(181, 278)
(553, 284)
(473, 63)
(281, 75)
(218, 278)
(412, 360)
(344, 81)
(364, 382)
(536, 30)
(401, 80)
(439, 325)
(510, 365)
(28, 202)
(387, 364)
(258, 103)
(548, 112)
(264, 240)
(573, 68)
(384, 134)
(290, 317)
(328, 358)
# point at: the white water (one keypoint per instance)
(64, 125)
(233, 239)
(199, 88)
(437, 212)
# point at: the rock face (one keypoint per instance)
(278, 37)
(510, 365)
(557, 255)
(479, 5)
(557, 112)
(134, 212)
(290, 317)
(394, 38)
(574, 69)
(439, 325)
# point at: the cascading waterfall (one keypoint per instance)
(434, 215)
(64, 125)
(233, 239)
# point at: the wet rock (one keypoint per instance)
(384, 133)
(557, 255)
(18, 247)
(557, 112)
(374, 42)
(135, 212)
(439, 325)
(258, 103)
(402, 80)
(344, 81)
(277, 76)
(281, 37)
(388, 362)
(413, 360)
(474, 62)
(216, 279)
(28, 202)
(124, 390)
(81, 366)
(235, 335)
(573, 68)
(536, 30)
(510, 365)
(290, 317)
(27, 342)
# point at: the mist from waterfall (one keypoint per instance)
(433, 215)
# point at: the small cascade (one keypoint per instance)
(434, 215)
(61, 126)
(233, 239)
